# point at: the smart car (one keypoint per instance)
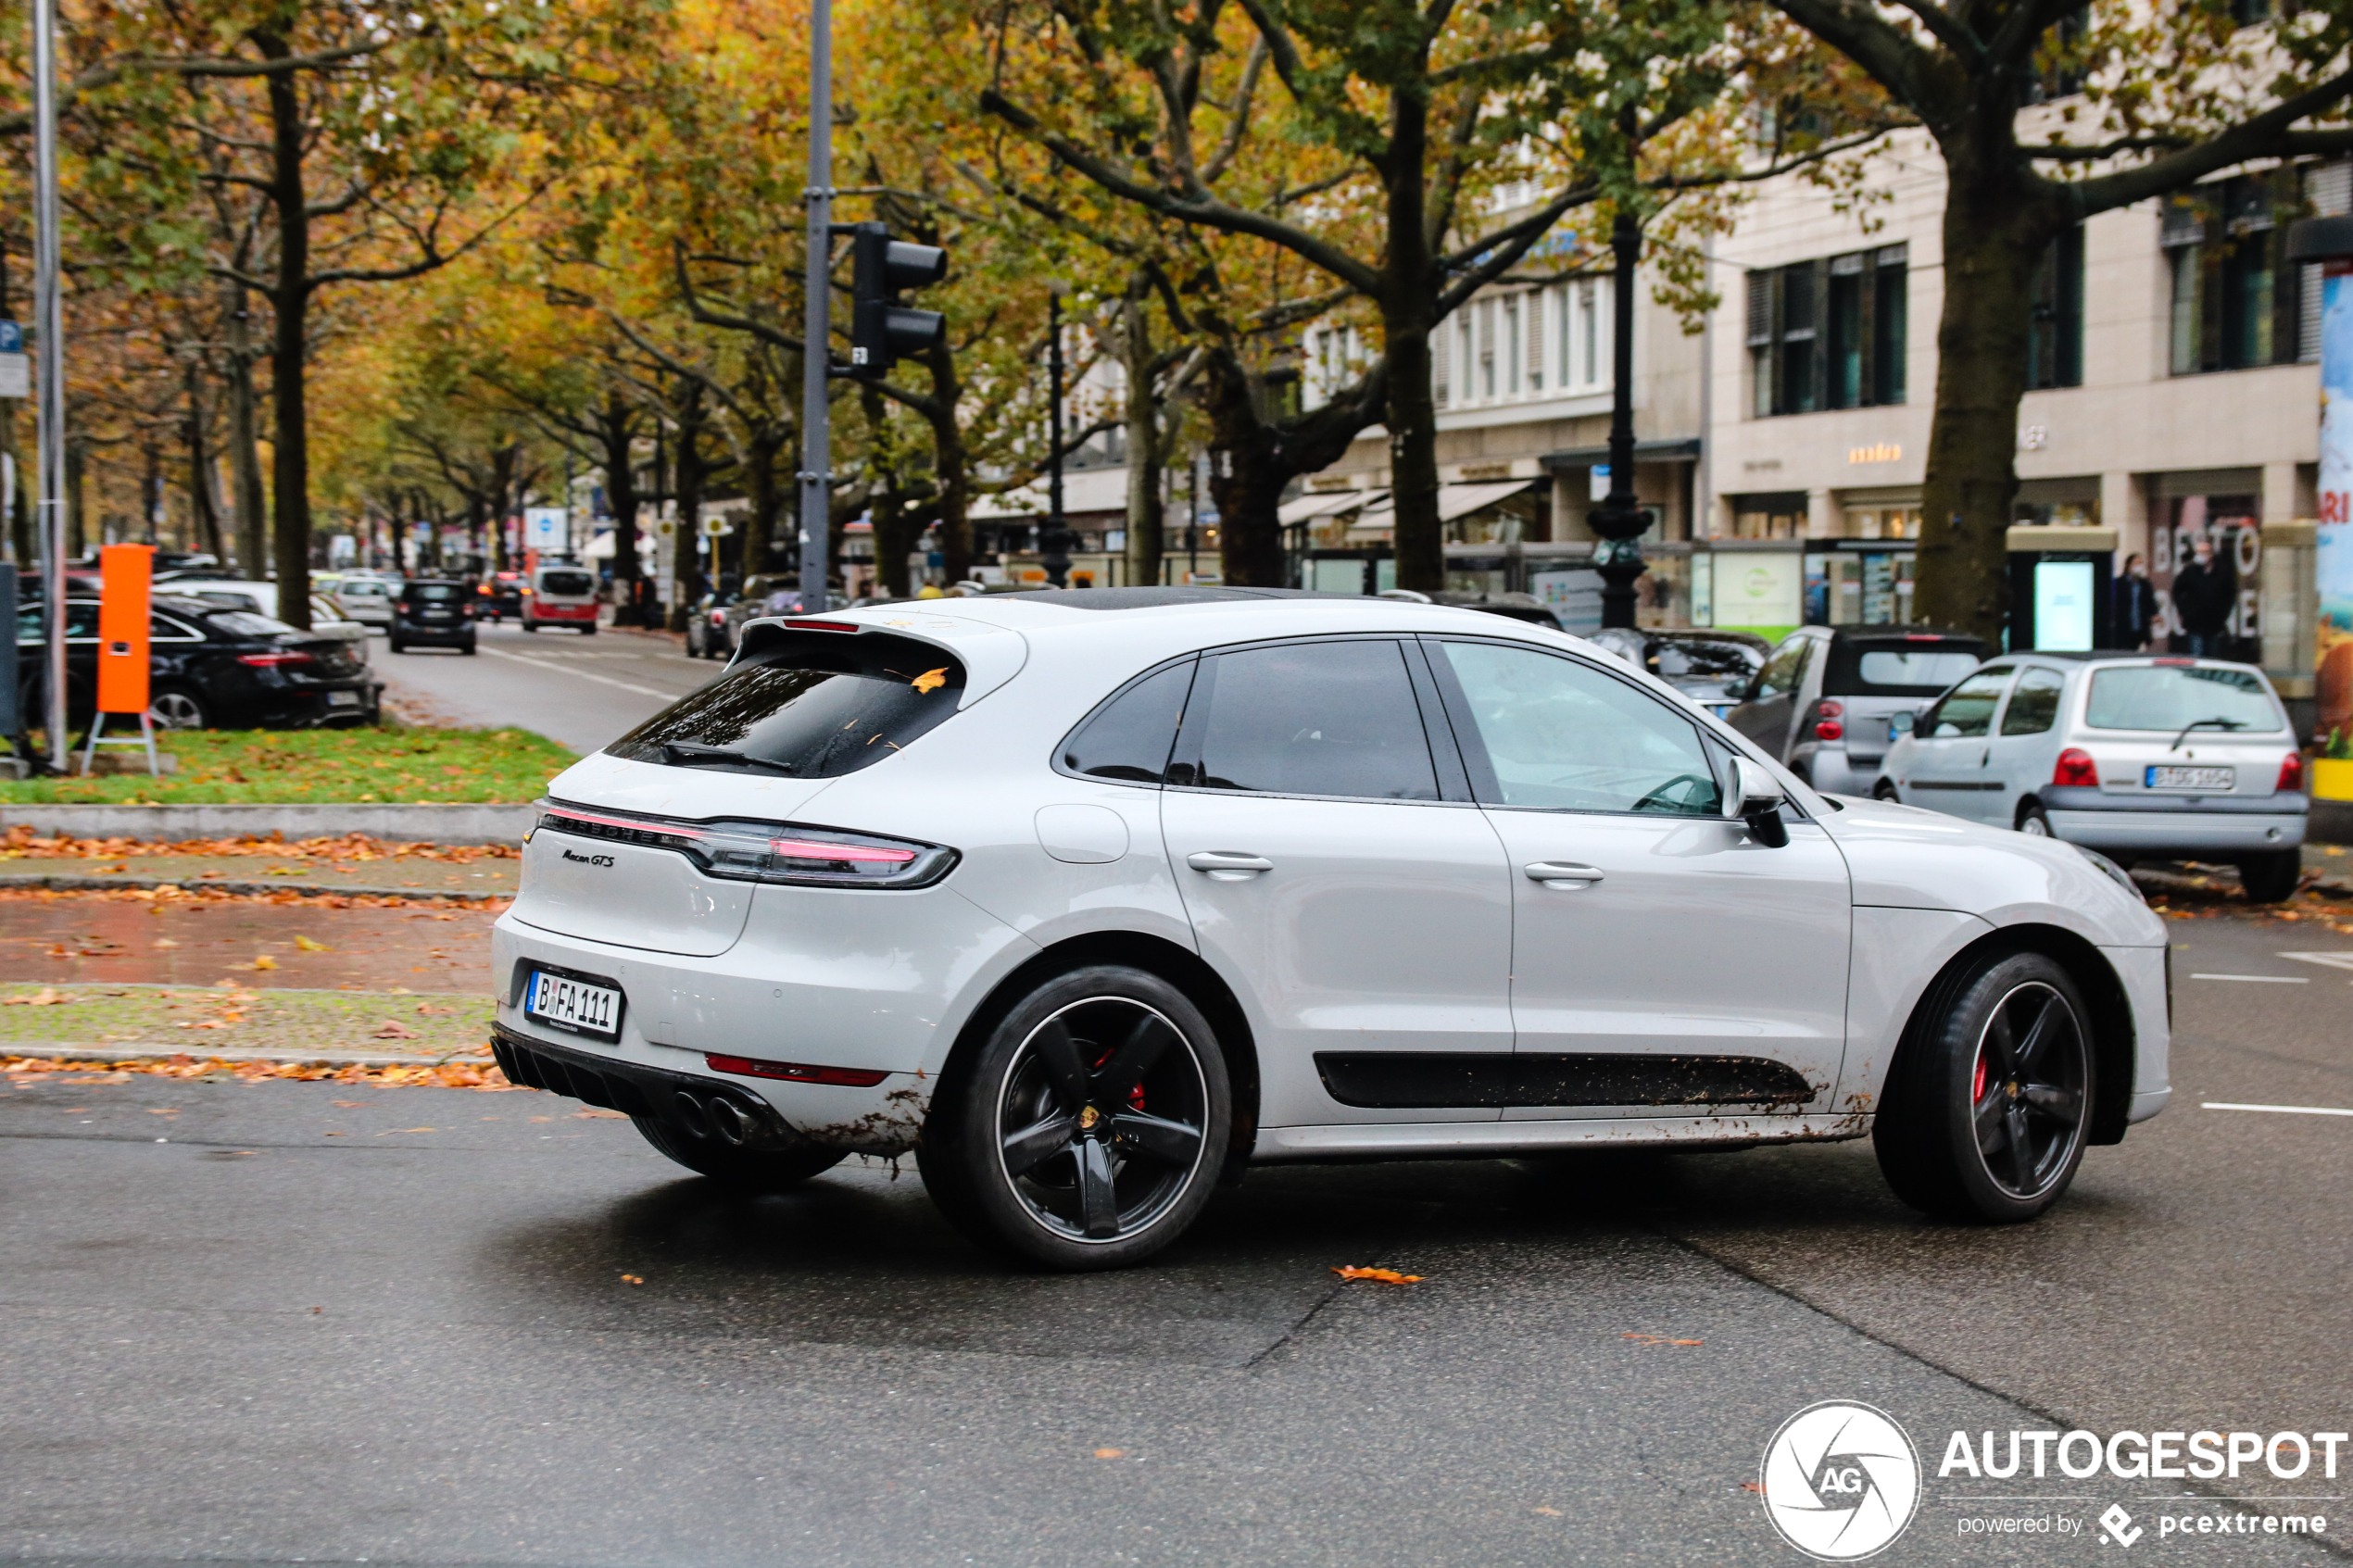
(1094, 900)
(1823, 700)
(2141, 756)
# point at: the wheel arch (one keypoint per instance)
(1155, 955)
(2110, 1020)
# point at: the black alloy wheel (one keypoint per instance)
(1088, 1131)
(176, 708)
(1986, 1109)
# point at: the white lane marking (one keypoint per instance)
(2334, 961)
(582, 674)
(2282, 1109)
(2264, 979)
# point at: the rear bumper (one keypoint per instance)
(450, 636)
(2174, 834)
(1832, 771)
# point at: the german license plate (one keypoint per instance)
(575, 1005)
(2190, 778)
(343, 699)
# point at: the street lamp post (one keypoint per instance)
(1618, 522)
(816, 434)
(48, 316)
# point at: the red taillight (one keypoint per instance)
(272, 661)
(2076, 770)
(746, 1067)
(820, 626)
(1826, 714)
(719, 618)
(2292, 772)
(1828, 729)
(804, 849)
(2174, 663)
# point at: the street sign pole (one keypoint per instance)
(48, 318)
(816, 436)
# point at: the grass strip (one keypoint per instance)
(194, 1021)
(293, 767)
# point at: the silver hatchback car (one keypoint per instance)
(2141, 756)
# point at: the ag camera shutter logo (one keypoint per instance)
(1841, 1481)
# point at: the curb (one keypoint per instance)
(39, 1050)
(413, 824)
(66, 883)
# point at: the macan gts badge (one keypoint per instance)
(1093, 900)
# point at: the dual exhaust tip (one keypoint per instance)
(719, 1117)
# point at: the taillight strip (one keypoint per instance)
(807, 849)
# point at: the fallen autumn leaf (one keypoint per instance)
(1386, 1276)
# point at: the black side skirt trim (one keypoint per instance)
(1451, 1079)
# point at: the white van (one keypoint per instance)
(561, 596)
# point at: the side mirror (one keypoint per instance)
(1756, 800)
(1901, 723)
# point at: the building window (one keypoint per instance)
(1828, 334)
(2055, 326)
(1511, 344)
(2234, 304)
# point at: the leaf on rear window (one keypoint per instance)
(930, 679)
(1386, 1276)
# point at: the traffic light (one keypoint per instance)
(882, 331)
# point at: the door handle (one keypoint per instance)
(1566, 876)
(1229, 865)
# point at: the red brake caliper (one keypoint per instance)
(1977, 1090)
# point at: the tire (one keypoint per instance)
(177, 708)
(745, 1170)
(2272, 878)
(530, 625)
(2034, 822)
(1102, 1187)
(2000, 1065)
(588, 631)
(397, 646)
(469, 647)
(1885, 790)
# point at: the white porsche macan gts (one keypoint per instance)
(1091, 900)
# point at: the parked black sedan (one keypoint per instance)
(211, 668)
(433, 612)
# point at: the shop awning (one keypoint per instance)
(1329, 503)
(1454, 501)
(1661, 449)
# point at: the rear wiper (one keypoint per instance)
(2205, 724)
(690, 751)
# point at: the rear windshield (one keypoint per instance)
(817, 706)
(435, 591)
(361, 590)
(2172, 696)
(244, 623)
(1899, 668)
(568, 584)
(1696, 659)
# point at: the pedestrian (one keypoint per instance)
(2135, 605)
(2204, 592)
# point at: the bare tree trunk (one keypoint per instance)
(1992, 241)
(245, 454)
(203, 500)
(689, 472)
(951, 463)
(1406, 306)
(1247, 473)
(1145, 454)
(766, 439)
(290, 450)
(618, 429)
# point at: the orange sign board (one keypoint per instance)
(125, 574)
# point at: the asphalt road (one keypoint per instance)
(579, 692)
(414, 1342)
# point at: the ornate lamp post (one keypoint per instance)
(1618, 522)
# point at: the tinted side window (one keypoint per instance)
(1968, 709)
(2035, 706)
(1129, 737)
(1317, 719)
(1564, 738)
(1782, 671)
